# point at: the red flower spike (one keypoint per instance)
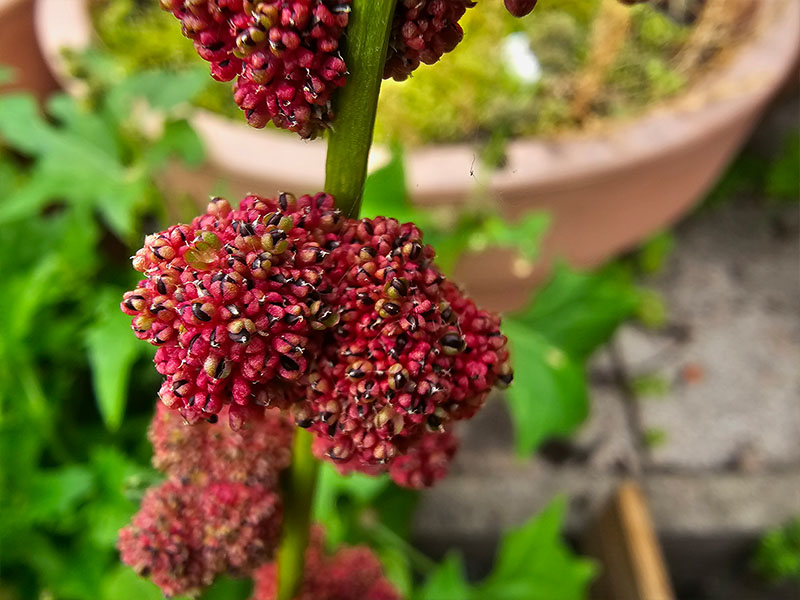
(349, 574)
(422, 31)
(284, 55)
(207, 452)
(235, 301)
(184, 536)
(409, 355)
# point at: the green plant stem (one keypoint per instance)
(357, 102)
(346, 171)
(297, 502)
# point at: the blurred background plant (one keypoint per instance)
(777, 557)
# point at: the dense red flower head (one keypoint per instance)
(350, 574)
(207, 452)
(422, 31)
(409, 354)
(426, 462)
(283, 53)
(234, 302)
(184, 536)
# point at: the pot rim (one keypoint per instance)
(728, 93)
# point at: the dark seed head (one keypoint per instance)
(452, 343)
(199, 313)
(288, 363)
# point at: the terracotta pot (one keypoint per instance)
(605, 191)
(31, 73)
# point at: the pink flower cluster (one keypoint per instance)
(185, 535)
(410, 353)
(422, 31)
(350, 574)
(219, 510)
(284, 55)
(346, 323)
(233, 300)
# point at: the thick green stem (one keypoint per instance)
(346, 171)
(297, 502)
(357, 102)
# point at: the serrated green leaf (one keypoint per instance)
(446, 582)
(83, 123)
(55, 493)
(548, 396)
(123, 582)
(534, 563)
(112, 353)
(577, 312)
(178, 139)
(22, 126)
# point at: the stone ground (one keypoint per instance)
(717, 449)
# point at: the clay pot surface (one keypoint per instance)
(31, 72)
(606, 191)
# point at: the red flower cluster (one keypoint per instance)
(409, 355)
(219, 511)
(422, 31)
(232, 301)
(349, 323)
(350, 574)
(184, 536)
(206, 452)
(284, 54)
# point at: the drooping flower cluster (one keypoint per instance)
(422, 31)
(233, 301)
(206, 452)
(185, 535)
(410, 353)
(219, 510)
(347, 323)
(283, 53)
(350, 574)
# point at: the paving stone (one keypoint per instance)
(732, 287)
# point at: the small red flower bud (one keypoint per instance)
(520, 8)
(422, 31)
(349, 574)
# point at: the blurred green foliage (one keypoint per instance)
(773, 178)
(77, 184)
(531, 563)
(777, 557)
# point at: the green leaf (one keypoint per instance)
(446, 582)
(548, 396)
(524, 236)
(228, 588)
(178, 139)
(385, 192)
(580, 311)
(55, 493)
(534, 563)
(123, 582)
(22, 125)
(112, 353)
